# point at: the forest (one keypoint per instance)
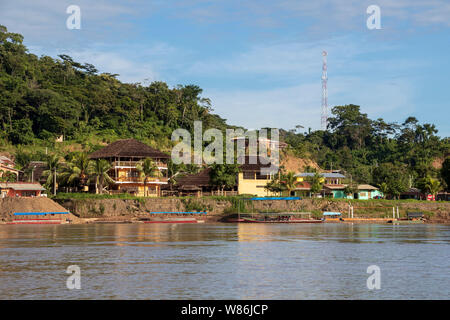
(44, 98)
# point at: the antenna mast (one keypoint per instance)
(324, 117)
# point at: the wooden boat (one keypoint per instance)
(172, 220)
(250, 220)
(397, 222)
(35, 221)
(284, 217)
(237, 218)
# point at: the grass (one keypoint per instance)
(77, 196)
(390, 203)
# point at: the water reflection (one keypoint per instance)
(224, 261)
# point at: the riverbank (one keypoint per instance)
(89, 210)
(219, 207)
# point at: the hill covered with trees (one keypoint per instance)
(43, 98)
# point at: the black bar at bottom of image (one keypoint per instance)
(227, 309)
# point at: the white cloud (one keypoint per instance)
(289, 106)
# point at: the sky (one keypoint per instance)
(260, 62)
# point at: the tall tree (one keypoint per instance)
(99, 172)
(148, 169)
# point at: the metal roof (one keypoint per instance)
(366, 187)
(21, 186)
(331, 213)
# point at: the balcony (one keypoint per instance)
(162, 180)
(133, 164)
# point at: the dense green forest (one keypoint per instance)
(42, 98)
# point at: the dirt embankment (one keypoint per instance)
(83, 210)
(8, 206)
(294, 164)
(119, 209)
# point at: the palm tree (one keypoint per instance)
(53, 165)
(384, 188)
(77, 170)
(289, 180)
(316, 182)
(148, 169)
(432, 186)
(99, 171)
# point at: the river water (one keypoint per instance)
(225, 261)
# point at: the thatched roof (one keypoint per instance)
(128, 148)
(38, 168)
(200, 179)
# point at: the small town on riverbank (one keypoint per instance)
(129, 171)
(77, 143)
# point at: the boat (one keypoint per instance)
(35, 221)
(172, 220)
(237, 217)
(283, 217)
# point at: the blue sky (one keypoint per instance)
(260, 61)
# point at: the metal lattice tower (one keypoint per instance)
(324, 117)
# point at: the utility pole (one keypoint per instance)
(324, 116)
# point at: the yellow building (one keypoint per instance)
(253, 178)
(124, 157)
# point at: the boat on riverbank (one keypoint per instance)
(272, 217)
(172, 220)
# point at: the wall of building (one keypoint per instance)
(339, 194)
(253, 186)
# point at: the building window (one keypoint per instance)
(262, 176)
(249, 175)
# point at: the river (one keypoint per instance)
(225, 261)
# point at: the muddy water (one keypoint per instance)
(225, 261)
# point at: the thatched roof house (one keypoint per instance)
(128, 148)
(194, 181)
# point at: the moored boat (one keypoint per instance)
(284, 217)
(172, 220)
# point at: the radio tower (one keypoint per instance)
(324, 118)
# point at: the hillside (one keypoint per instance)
(44, 98)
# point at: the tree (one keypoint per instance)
(384, 188)
(274, 185)
(223, 175)
(431, 186)
(76, 172)
(7, 176)
(288, 181)
(99, 172)
(445, 172)
(51, 174)
(316, 182)
(350, 189)
(147, 170)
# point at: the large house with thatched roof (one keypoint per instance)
(125, 156)
(251, 179)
